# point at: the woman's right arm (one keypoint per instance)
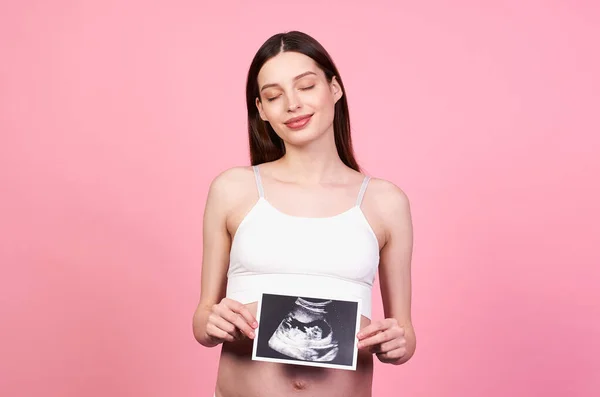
(218, 319)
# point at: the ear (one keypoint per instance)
(260, 110)
(336, 89)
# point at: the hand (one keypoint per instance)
(229, 321)
(385, 338)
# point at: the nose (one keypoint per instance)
(293, 102)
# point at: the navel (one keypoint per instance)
(299, 384)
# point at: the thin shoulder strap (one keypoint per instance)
(362, 191)
(259, 186)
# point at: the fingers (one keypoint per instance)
(238, 315)
(376, 327)
(377, 339)
(242, 310)
(222, 324)
(385, 338)
(388, 346)
(371, 329)
(236, 321)
(218, 334)
(379, 333)
(391, 356)
(230, 321)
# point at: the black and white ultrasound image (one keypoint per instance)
(307, 329)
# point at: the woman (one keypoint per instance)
(303, 210)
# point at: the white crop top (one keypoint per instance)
(273, 252)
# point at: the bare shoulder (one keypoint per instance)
(232, 179)
(231, 184)
(390, 199)
(389, 207)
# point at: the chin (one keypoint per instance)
(303, 138)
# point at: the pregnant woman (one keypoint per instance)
(302, 214)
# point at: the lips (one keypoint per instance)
(298, 122)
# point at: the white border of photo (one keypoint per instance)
(357, 322)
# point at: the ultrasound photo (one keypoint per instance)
(313, 331)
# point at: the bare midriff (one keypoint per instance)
(240, 376)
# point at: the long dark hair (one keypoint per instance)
(265, 145)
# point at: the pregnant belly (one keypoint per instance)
(239, 375)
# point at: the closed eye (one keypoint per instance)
(302, 89)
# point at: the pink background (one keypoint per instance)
(115, 116)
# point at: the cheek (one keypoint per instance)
(325, 101)
(272, 110)
(326, 106)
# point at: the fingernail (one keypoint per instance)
(251, 334)
(255, 324)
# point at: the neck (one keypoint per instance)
(317, 162)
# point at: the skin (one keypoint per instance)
(310, 180)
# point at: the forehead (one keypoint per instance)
(285, 66)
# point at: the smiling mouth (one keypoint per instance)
(298, 122)
(299, 118)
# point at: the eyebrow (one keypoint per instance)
(295, 78)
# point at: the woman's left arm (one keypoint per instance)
(393, 339)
